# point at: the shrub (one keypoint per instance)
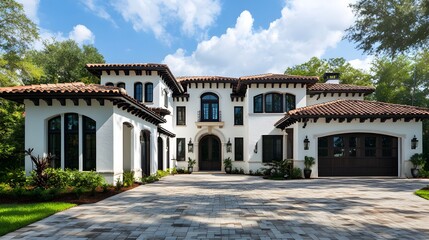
(39, 175)
(296, 173)
(418, 160)
(86, 180)
(181, 171)
(278, 169)
(128, 178)
(13, 177)
(161, 173)
(59, 178)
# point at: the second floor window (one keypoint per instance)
(257, 103)
(273, 103)
(180, 149)
(166, 98)
(121, 85)
(148, 92)
(110, 84)
(238, 115)
(209, 107)
(138, 91)
(181, 116)
(289, 102)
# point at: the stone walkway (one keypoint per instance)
(218, 206)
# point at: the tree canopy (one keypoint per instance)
(317, 67)
(390, 27)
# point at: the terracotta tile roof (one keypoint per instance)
(163, 70)
(79, 90)
(339, 88)
(350, 109)
(207, 79)
(271, 77)
(74, 88)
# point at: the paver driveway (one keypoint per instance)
(218, 206)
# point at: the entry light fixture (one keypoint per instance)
(228, 145)
(306, 143)
(414, 142)
(190, 145)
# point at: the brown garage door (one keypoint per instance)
(358, 154)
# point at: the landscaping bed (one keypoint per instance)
(423, 193)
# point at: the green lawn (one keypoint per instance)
(14, 216)
(423, 193)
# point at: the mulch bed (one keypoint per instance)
(70, 197)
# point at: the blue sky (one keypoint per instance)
(203, 37)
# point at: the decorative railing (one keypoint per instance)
(210, 120)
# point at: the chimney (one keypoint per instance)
(332, 78)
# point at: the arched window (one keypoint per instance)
(166, 98)
(273, 103)
(148, 92)
(121, 85)
(209, 107)
(71, 141)
(138, 91)
(89, 144)
(109, 84)
(54, 140)
(73, 147)
(290, 103)
(257, 103)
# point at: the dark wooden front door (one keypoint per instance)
(210, 153)
(160, 154)
(358, 154)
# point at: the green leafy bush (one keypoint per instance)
(13, 177)
(58, 178)
(128, 178)
(162, 174)
(296, 173)
(86, 180)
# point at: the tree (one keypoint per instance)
(65, 62)
(317, 67)
(390, 26)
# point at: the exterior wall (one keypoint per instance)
(405, 131)
(109, 136)
(317, 99)
(190, 130)
(259, 124)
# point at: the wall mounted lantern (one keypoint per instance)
(190, 145)
(306, 143)
(228, 145)
(414, 142)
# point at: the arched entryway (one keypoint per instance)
(209, 149)
(358, 154)
(145, 152)
(160, 154)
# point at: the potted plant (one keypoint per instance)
(191, 163)
(227, 163)
(308, 163)
(418, 161)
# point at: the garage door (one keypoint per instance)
(358, 154)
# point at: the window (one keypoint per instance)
(238, 115)
(238, 149)
(272, 148)
(180, 149)
(110, 84)
(148, 92)
(257, 103)
(209, 107)
(273, 103)
(72, 146)
(138, 91)
(121, 85)
(181, 116)
(338, 146)
(166, 98)
(370, 146)
(289, 102)
(323, 146)
(54, 140)
(89, 144)
(71, 141)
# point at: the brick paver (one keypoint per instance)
(218, 206)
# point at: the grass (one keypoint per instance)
(15, 216)
(423, 193)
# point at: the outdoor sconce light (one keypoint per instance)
(306, 143)
(228, 145)
(190, 145)
(414, 142)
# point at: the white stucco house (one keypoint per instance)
(142, 118)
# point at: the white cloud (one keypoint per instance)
(364, 64)
(157, 15)
(81, 34)
(96, 6)
(305, 29)
(30, 9)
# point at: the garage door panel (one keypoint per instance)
(358, 154)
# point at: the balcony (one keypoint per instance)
(210, 121)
